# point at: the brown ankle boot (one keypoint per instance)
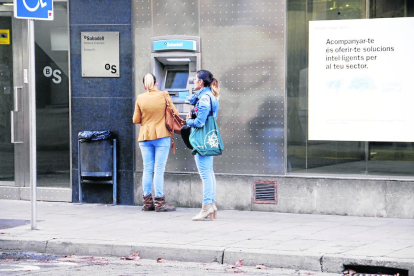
(148, 203)
(162, 206)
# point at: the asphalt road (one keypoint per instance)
(41, 264)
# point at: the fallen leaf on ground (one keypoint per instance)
(239, 263)
(261, 267)
(349, 272)
(134, 257)
(161, 260)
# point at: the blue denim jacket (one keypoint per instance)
(201, 99)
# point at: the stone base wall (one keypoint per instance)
(329, 196)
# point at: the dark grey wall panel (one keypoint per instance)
(103, 103)
(103, 87)
(86, 12)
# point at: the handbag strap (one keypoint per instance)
(172, 132)
(165, 98)
(211, 105)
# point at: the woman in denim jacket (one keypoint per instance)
(206, 103)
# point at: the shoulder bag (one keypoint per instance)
(185, 134)
(173, 122)
(206, 140)
(186, 130)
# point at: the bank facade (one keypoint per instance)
(258, 50)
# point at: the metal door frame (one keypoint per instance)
(19, 114)
(19, 189)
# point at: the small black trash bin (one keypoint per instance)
(96, 160)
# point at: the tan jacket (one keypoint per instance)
(150, 113)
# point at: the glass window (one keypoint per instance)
(52, 99)
(333, 157)
(6, 101)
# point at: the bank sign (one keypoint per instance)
(187, 45)
(100, 54)
(33, 9)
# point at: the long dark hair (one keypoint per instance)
(209, 81)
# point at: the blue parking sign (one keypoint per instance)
(33, 9)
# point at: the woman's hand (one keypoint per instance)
(188, 115)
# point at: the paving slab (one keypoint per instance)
(298, 241)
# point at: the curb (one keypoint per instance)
(251, 257)
(275, 259)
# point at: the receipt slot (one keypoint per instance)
(174, 62)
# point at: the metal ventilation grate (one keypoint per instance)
(364, 270)
(265, 192)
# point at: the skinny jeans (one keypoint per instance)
(206, 171)
(154, 156)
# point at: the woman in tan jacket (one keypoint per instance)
(154, 141)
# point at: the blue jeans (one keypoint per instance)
(154, 156)
(205, 168)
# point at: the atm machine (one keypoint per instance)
(174, 62)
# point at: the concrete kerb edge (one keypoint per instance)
(63, 247)
(59, 247)
(273, 259)
(335, 264)
(114, 249)
(251, 257)
(146, 251)
(181, 253)
(23, 246)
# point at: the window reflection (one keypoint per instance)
(6, 104)
(52, 99)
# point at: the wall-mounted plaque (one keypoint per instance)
(100, 54)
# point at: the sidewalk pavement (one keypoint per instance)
(296, 241)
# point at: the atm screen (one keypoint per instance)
(176, 79)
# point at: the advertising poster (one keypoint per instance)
(361, 80)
